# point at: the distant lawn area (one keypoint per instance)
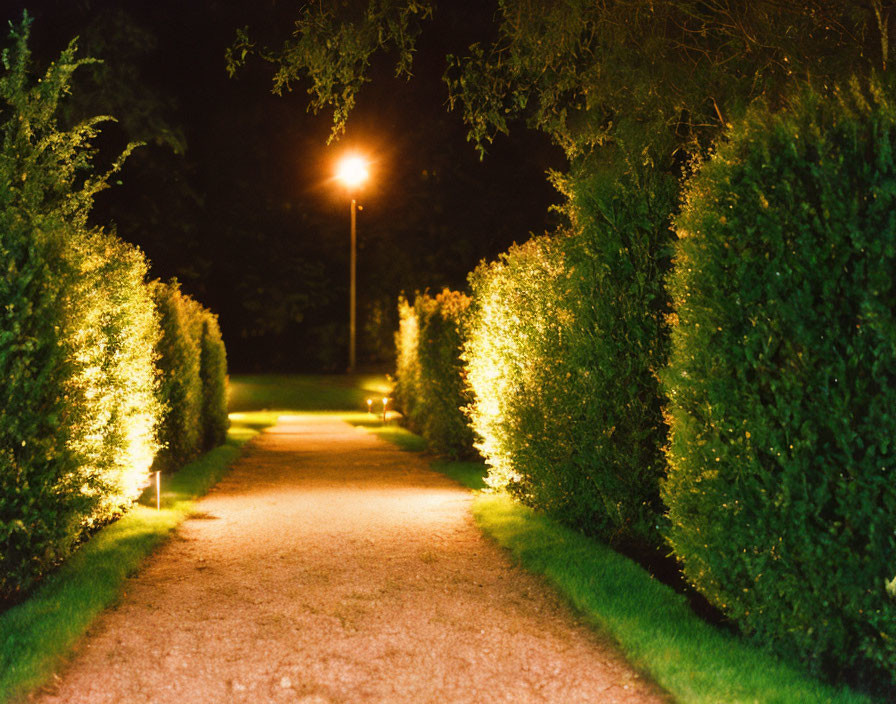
(307, 392)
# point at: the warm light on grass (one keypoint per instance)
(37, 634)
(307, 392)
(352, 171)
(654, 627)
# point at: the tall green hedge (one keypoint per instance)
(77, 402)
(213, 378)
(180, 389)
(407, 362)
(566, 335)
(192, 363)
(430, 383)
(116, 371)
(512, 346)
(782, 384)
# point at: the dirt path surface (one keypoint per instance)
(330, 568)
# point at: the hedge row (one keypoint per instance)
(430, 384)
(193, 366)
(564, 338)
(81, 396)
(764, 457)
(782, 382)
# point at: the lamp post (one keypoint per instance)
(352, 172)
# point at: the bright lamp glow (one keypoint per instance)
(352, 171)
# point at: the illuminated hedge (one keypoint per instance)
(565, 334)
(213, 378)
(116, 371)
(513, 323)
(77, 329)
(192, 363)
(180, 385)
(407, 362)
(782, 384)
(430, 382)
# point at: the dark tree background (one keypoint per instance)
(233, 195)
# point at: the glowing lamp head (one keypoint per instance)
(352, 171)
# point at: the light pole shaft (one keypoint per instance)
(352, 293)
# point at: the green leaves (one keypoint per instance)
(782, 381)
(77, 381)
(192, 370)
(430, 378)
(331, 47)
(564, 336)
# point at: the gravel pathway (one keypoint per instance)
(330, 568)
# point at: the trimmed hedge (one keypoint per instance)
(407, 362)
(564, 340)
(77, 402)
(193, 367)
(180, 388)
(213, 378)
(117, 372)
(430, 385)
(513, 334)
(782, 383)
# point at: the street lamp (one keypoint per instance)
(352, 172)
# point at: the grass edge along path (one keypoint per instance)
(37, 634)
(653, 626)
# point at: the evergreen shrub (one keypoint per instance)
(180, 385)
(407, 362)
(76, 333)
(213, 377)
(192, 368)
(565, 338)
(430, 379)
(782, 382)
(115, 350)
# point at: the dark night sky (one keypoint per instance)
(247, 217)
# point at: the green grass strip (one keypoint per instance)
(307, 392)
(36, 634)
(653, 626)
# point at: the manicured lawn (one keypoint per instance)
(314, 392)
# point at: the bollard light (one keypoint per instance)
(385, 405)
(370, 406)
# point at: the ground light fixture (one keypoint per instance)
(352, 170)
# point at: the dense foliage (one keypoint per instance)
(586, 71)
(116, 370)
(213, 378)
(430, 384)
(513, 343)
(616, 256)
(783, 381)
(562, 357)
(193, 369)
(77, 406)
(407, 365)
